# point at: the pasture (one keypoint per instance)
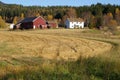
(59, 54)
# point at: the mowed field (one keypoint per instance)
(34, 47)
(48, 44)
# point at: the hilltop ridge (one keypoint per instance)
(2, 3)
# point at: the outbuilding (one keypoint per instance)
(33, 23)
(52, 24)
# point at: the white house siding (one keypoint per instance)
(74, 24)
(71, 25)
(82, 26)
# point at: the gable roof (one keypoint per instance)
(75, 19)
(30, 19)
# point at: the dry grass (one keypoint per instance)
(19, 49)
(49, 44)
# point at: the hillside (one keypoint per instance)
(95, 16)
(1, 3)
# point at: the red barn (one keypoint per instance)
(52, 24)
(33, 22)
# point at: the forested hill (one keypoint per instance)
(93, 15)
(1, 3)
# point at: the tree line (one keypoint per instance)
(95, 16)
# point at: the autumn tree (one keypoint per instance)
(110, 15)
(2, 23)
(15, 20)
(112, 23)
(99, 22)
(49, 17)
(71, 13)
(22, 16)
(107, 18)
(117, 15)
(86, 16)
(38, 14)
(92, 23)
(63, 20)
(112, 26)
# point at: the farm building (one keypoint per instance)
(52, 24)
(11, 26)
(17, 26)
(33, 23)
(74, 23)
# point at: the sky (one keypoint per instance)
(60, 2)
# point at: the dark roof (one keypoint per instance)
(28, 19)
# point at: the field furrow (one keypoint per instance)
(48, 46)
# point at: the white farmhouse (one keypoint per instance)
(74, 23)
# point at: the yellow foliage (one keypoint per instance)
(71, 13)
(22, 16)
(2, 23)
(37, 14)
(15, 20)
(113, 22)
(110, 15)
(49, 17)
(117, 11)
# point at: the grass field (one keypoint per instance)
(59, 54)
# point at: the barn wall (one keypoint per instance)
(53, 25)
(27, 25)
(39, 21)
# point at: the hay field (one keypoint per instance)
(48, 44)
(34, 47)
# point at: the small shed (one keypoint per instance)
(52, 24)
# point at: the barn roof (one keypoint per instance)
(31, 19)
